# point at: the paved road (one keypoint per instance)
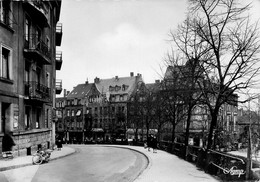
(90, 163)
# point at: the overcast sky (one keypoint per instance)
(107, 38)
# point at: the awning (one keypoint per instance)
(97, 130)
(139, 131)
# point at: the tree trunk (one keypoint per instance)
(172, 120)
(187, 134)
(173, 133)
(147, 127)
(214, 118)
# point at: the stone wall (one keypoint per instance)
(27, 144)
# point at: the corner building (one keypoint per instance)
(28, 40)
(96, 111)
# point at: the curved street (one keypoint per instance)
(90, 163)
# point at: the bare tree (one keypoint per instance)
(219, 35)
(173, 92)
(185, 76)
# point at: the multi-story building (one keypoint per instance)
(28, 40)
(200, 116)
(96, 110)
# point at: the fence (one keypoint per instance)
(226, 166)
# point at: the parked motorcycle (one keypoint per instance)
(41, 156)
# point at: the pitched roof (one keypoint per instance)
(118, 85)
(81, 90)
(153, 87)
(58, 99)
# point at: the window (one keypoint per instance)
(58, 114)
(38, 75)
(48, 79)
(27, 29)
(5, 12)
(5, 67)
(72, 113)
(38, 117)
(48, 42)
(27, 71)
(47, 118)
(117, 88)
(68, 112)
(4, 115)
(27, 117)
(38, 34)
(78, 113)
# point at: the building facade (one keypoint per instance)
(28, 72)
(200, 115)
(96, 111)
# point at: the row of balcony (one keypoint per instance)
(58, 86)
(38, 11)
(58, 34)
(34, 46)
(37, 48)
(39, 92)
(58, 56)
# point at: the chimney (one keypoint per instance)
(157, 81)
(131, 74)
(116, 77)
(96, 80)
(86, 82)
(64, 92)
(139, 75)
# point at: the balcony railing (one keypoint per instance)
(38, 10)
(58, 86)
(58, 60)
(37, 91)
(37, 48)
(58, 34)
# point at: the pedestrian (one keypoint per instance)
(154, 144)
(149, 142)
(59, 143)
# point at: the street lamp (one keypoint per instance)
(249, 155)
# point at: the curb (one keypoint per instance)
(149, 160)
(14, 167)
(52, 159)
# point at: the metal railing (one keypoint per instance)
(59, 28)
(58, 56)
(58, 84)
(32, 42)
(35, 90)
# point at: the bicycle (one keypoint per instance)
(41, 156)
(8, 155)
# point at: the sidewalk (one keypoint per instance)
(165, 167)
(6, 164)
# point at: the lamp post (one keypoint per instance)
(249, 155)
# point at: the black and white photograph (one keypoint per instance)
(129, 90)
